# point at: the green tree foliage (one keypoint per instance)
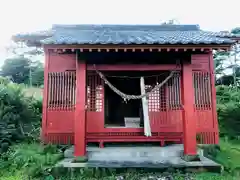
(227, 67)
(17, 69)
(228, 108)
(19, 115)
(37, 74)
(236, 31)
(23, 70)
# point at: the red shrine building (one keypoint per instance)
(92, 84)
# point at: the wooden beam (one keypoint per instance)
(146, 67)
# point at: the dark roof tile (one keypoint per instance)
(133, 34)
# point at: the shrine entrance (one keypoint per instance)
(118, 111)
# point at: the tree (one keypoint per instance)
(34, 54)
(17, 69)
(236, 31)
(23, 70)
(227, 67)
(37, 74)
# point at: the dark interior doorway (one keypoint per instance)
(116, 109)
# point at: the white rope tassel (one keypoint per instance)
(147, 127)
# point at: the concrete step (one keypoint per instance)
(156, 157)
(129, 152)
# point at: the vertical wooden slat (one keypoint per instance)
(55, 91)
(68, 89)
(65, 87)
(58, 91)
(61, 90)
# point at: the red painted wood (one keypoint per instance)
(134, 67)
(60, 121)
(45, 97)
(95, 106)
(165, 110)
(62, 62)
(80, 113)
(200, 62)
(68, 138)
(205, 112)
(213, 93)
(189, 122)
(61, 90)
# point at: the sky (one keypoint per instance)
(18, 16)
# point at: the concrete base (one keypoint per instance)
(136, 157)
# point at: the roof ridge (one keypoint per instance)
(133, 27)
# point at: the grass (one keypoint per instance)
(229, 155)
(35, 160)
(215, 176)
(32, 160)
(35, 92)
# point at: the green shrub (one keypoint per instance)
(19, 115)
(4, 80)
(211, 150)
(228, 109)
(32, 159)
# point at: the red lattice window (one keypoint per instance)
(157, 99)
(166, 97)
(94, 92)
(61, 90)
(173, 87)
(202, 90)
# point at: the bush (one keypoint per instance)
(228, 108)
(19, 115)
(32, 159)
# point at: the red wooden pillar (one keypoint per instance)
(214, 98)
(189, 122)
(80, 114)
(45, 97)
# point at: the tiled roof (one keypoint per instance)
(133, 34)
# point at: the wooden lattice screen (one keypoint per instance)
(202, 90)
(94, 92)
(62, 90)
(174, 92)
(207, 131)
(168, 97)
